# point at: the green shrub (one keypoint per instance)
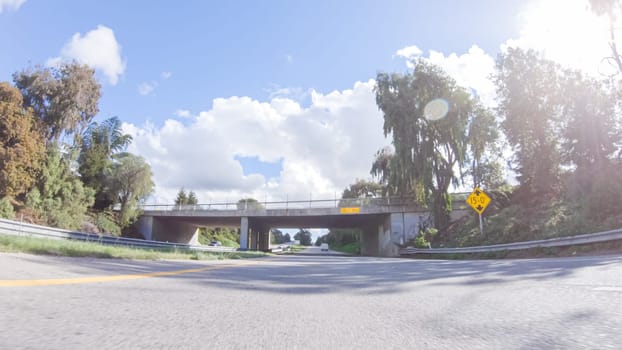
(105, 222)
(425, 236)
(6, 209)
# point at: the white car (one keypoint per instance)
(324, 247)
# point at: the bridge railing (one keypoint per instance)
(302, 204)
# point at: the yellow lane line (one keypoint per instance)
(96, 279)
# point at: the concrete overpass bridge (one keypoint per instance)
(384, 222)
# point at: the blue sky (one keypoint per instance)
(274, 99)
(247, 48)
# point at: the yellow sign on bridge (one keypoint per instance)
(351, 210)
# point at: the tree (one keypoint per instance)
(278, 237)
(610, 8)
(22, 149)
(130, 183)
(426, 151)
(529, 93)
(484, 149)
(182, 197)
(59, 199)
(590, 128)
(304, 236)
(363, 189)
(64, 99)
(192, 198)
(249, 203)
(381, 171)
(100, 144)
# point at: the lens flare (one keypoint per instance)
(436, 109)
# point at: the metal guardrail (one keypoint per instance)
(588, 238)
(9, 227)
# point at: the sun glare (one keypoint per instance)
(566, 31)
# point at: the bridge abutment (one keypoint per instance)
(158, 229)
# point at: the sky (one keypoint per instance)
(275, 99)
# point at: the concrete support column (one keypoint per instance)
(254, 234)
(370, 241)
(145, 226)
(264, 239)
(244, 233)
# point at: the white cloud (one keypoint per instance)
(323, 147)
(166, 75)
(11, 5)
(146, 88)
(183, 113)
(289, 58)
(99, 49)
(409, 52)
(295, 93)
(471, 70)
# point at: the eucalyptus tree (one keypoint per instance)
(64, 98)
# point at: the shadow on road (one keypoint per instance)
(308, 275)
(314, 274)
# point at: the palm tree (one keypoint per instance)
(101, 143)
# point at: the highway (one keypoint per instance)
(310, 302)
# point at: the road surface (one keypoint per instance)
(310, 302)
(317, 250)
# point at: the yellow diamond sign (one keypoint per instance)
(478, 200)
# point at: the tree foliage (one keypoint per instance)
(101, 143)
(363, 189)
(192, 198)
(186, 199)
(426, 151)
(530, 96)
(64, 99)
(278, 237)
(249, 203)
(484, 150)
(304, 236)
(22, 149)
(611, 9)
(339, 237)
(590, 128)
(130, 183)
(182, 197)
(60, 199)
(6, 209)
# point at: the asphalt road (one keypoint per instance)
(310, 302)
(317, 250)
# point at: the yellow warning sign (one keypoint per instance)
(352, 210)
(478, 200)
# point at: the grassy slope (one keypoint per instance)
(350, 248)
(91, 249)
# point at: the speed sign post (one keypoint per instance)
(479, 200)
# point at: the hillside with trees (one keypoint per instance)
(60, 167)
(563, 142)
